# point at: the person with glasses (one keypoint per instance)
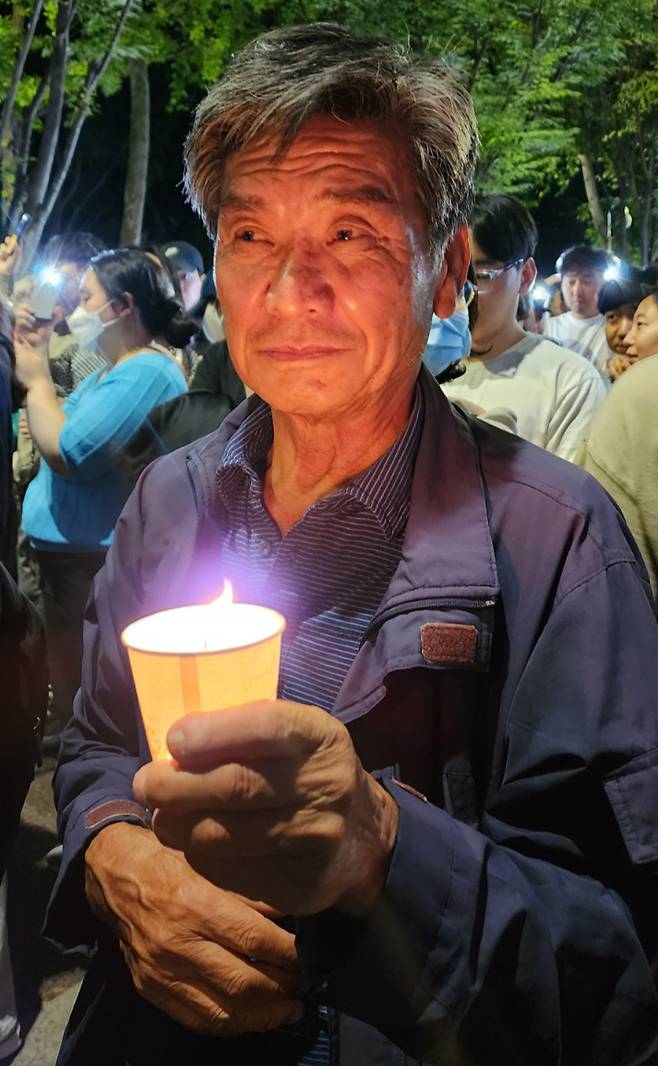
(514, 377)
(581, 327)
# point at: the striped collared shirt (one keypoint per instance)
(327, 576)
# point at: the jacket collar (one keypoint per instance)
(447, 573)
(447, 548)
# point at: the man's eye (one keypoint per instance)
(246, 235)
(345, 234)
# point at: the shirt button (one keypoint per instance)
(264, 547)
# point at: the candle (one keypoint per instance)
(202, 658)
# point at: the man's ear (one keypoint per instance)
(452, 275)
(528, 276)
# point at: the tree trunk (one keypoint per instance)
(593, 199)
(53, 120)
(7, 114)
(134, 193)
(23, 152)
(53, 189)
(645, 205)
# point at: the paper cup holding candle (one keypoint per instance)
(202, 658)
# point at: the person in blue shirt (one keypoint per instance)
(128, 312)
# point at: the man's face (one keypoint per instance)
(642, 338)
(190, 282)
(322, 269)
(70, 289)
(618, 322)
(580, 289)
(497, 298)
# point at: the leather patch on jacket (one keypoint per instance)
(448, 642)
(115, 809)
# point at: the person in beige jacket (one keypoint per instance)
(622, 447)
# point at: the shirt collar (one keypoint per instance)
(384, 488)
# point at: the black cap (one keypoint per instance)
(183, 256)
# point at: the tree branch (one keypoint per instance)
(94, 74)
(23, 152)
(51, 127)
(19, 67)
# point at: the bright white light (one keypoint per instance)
(50, 276)
(540, 294)
(615, 270)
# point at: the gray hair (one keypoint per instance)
(285, 77)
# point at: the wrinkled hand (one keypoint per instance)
(208, 959)
(270, 800)
(10, 255)
(619, 363)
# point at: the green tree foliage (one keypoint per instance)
(55, 58)
(560, 86)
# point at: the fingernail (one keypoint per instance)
(176, 742)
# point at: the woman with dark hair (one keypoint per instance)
(71, 507)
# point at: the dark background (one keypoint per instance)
(93, 197)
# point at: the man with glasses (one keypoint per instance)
(516, 378)
(581, 328)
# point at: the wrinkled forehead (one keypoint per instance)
(326, 152)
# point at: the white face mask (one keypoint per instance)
(87, 326)
(212, 323)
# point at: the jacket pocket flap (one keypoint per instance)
(633, 794)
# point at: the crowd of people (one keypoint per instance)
(361, 504)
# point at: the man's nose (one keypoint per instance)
(300, 285)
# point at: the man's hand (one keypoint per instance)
(210, 960)
(270, 800)
(619, 363)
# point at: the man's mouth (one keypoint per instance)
(292, 352)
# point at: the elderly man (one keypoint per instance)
(439, 841)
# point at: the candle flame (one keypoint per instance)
(226, 598)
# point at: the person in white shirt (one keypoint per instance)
(515, 378)
(581, 328)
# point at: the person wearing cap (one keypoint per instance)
(187, 263)
(618, 301)
(582, 273)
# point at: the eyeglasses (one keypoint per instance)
(470, 292)
(484, 278)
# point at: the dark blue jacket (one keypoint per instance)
(510, 682)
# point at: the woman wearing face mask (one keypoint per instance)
(72, 505)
